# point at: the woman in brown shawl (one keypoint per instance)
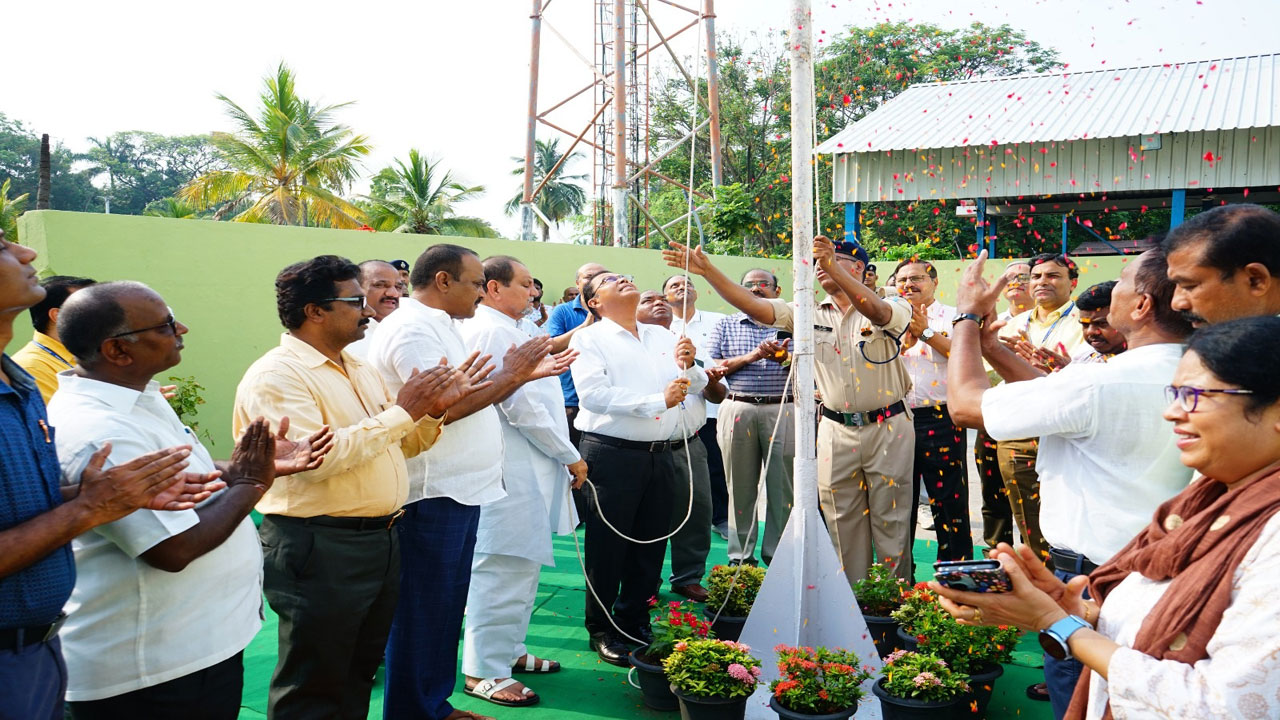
(1184, 621)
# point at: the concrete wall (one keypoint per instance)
(218, 278)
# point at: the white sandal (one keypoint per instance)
(485, 690)
(534, 664)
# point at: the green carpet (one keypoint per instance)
(588, 688)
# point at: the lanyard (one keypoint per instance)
(63, 360)
(1054, 326)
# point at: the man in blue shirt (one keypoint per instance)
(38, 519)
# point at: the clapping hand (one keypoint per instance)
(774, 350)
(556, 364)
(294, 456)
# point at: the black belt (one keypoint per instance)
(761, 399)
(1071, 562)
(656, 446)
(868, 417)
(386, 522)
(18, 638)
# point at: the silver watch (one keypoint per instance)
(927, 334)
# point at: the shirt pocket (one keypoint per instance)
(826, 349)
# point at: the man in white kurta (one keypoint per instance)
(513, 539)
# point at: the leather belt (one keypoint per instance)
(868, 417)
(386, 522)
(1071, 562)
(18, 638)
(655, 446)
(760, 399)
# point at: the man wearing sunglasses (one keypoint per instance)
(1106, 456)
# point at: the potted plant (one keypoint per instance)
(879, 594)
(919, 685)
(816, 684)
(916, 601)
(712, 678)
(730, 593)
(674, 625)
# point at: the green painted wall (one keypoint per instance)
(218, 278)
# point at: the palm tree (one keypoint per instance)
(289, 165)
(10, 209)
(414, 197)
(171, 208)
(558, 199)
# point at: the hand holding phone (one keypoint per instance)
(972, 576)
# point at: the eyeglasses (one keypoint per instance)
(611, 279)
(917, 279)
(1188, 397)
(360, 300)
(170, 323)
(762, 284)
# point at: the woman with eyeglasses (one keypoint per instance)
(1183, 622)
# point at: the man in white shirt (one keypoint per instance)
(383, 289)
(513, 539)
(940, 467)
(1107, 458)
(448, 483)
(629, 377)
(142, 638)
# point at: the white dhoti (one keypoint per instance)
(499, 604)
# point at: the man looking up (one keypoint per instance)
(940, 466)
(147, 576)
(330, 546)
(758, 401)
(630, 378)
(1226, 264)
(513, 538)
(450, 482)
(866, 442)
(682, 296)
(44, 357)
(38, 519)
(1107, 459)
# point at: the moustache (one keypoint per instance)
(1193, 318)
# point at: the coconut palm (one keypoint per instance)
(10, 209)
(417, 197)
(289, 165)
(171, 208)
(559, 198)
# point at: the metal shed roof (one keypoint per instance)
(1207, 95)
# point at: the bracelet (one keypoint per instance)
(967, 316)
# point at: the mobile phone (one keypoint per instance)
(972, 575)
(782, 335)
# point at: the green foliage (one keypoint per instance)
(712, 669)
(818, 681)
(141, 168)
(20, 163)
(921, 676)
(732, 216)
(880, 592)
(416, 197)
(10, 209)
(740, 584)
(561, 197)
(966, 648)
(676, 625)
(288, 166)
(171, 208)
(186, 401)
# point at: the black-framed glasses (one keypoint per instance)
(1189, 397)
(359, 300)
(170, 323)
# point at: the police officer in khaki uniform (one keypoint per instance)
(866, 441)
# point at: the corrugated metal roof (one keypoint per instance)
(1221, 94)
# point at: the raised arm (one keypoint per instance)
(966, 377)
(865, 300)
(682, 256)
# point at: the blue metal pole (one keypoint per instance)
(1064, 234)
(981, 224)
(1178, 208)
(853, 222)
(991, 237)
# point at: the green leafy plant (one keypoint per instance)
(739, 584)
(880, 592)
(712, 669)
(966, 648)
(186, 401)
(818, 681)
(921, 676)
(676, 625)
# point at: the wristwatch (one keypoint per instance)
(1054, 638)
(967, 316)
(927, 334)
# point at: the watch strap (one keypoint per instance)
(967, 316)
(1054, 638)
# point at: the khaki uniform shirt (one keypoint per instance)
(364, 474)
(44, 363)
(846, 378)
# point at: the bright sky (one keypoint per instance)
(451, 78)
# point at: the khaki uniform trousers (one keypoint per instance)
(746, 433)
(865, 491)
(1018, 468)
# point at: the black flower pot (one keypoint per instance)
(693, 707)
(786, 714)
(907, 640)
(983, 683)
(884, 633)
(726, 627)
(896, 708)
(653, 683)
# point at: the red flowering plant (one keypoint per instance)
(967, 649)
(818, 681)
(880, 592)
(710, 668)
(675, 625)
(921, 676)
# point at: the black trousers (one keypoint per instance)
(579, 495)
(941, 467)
(335, 590)
(213, 693)
(997, 513)
(634, 491)
(715, 464)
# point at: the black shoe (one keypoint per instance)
(611, 650)
(1038, 691)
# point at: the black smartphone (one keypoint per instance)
(782, 335)
(972, 575)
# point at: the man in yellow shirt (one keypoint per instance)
(44, 357)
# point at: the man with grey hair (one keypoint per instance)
(383, 287)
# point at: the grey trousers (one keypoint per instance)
(746, 432)
(690, 546)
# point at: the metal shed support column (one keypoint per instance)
(980, 222)
(1064, 234)
(1177, 208)
(853, 222)
(991, 237)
